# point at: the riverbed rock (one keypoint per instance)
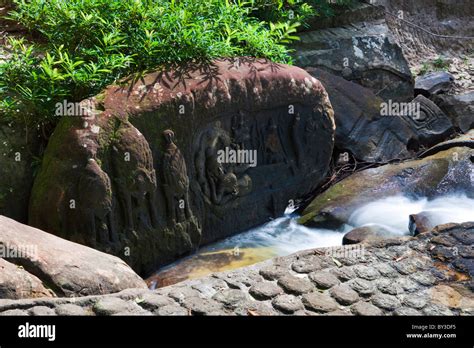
(387, 302)
(370, 135)
(323, 280)
(421, 222)
(366, 308)
(287, 303)
(363, 52)
(16, 283)
(447, 171)
(365, 233)
(295, 285)
(463, 140)
(460, 108)
(417, 286)
(150, 172)
(67, 268)
(433, 83)
(453, 245)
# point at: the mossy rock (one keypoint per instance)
(445, 172)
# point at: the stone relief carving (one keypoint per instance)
(273, 148)
(135, 179)
(175, 180)
(296, 140)
(219, 181)
(95, 204)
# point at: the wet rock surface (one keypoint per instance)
(366, 233)
(444, 169)
(411, 278)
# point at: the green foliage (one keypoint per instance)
(84, 45)
(437, 64)
(295, 10)
(440, 63)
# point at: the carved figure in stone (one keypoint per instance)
(273, 148)
(95, 204)
(241, 141)
(175, 180)
(296, 139)
(244, 185)
(311, 127)
(311, 131)
(210, 142)
(310, 136)
(224, 188)
(240, 132)
(135, 179)
(220, 181)
(143, 198)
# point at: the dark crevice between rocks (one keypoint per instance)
(31, 268)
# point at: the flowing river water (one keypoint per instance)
(284, 235)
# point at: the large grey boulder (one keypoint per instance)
(366, 133)
(16, 283)
(362, 52)
(67, 268)
(151, 171)
(433, 83)
(460, 108)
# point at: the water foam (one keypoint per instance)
(392, 213)
(286, 236)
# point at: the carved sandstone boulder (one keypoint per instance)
(156, 167)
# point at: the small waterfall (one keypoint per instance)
(284, 236)
(392, 213)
